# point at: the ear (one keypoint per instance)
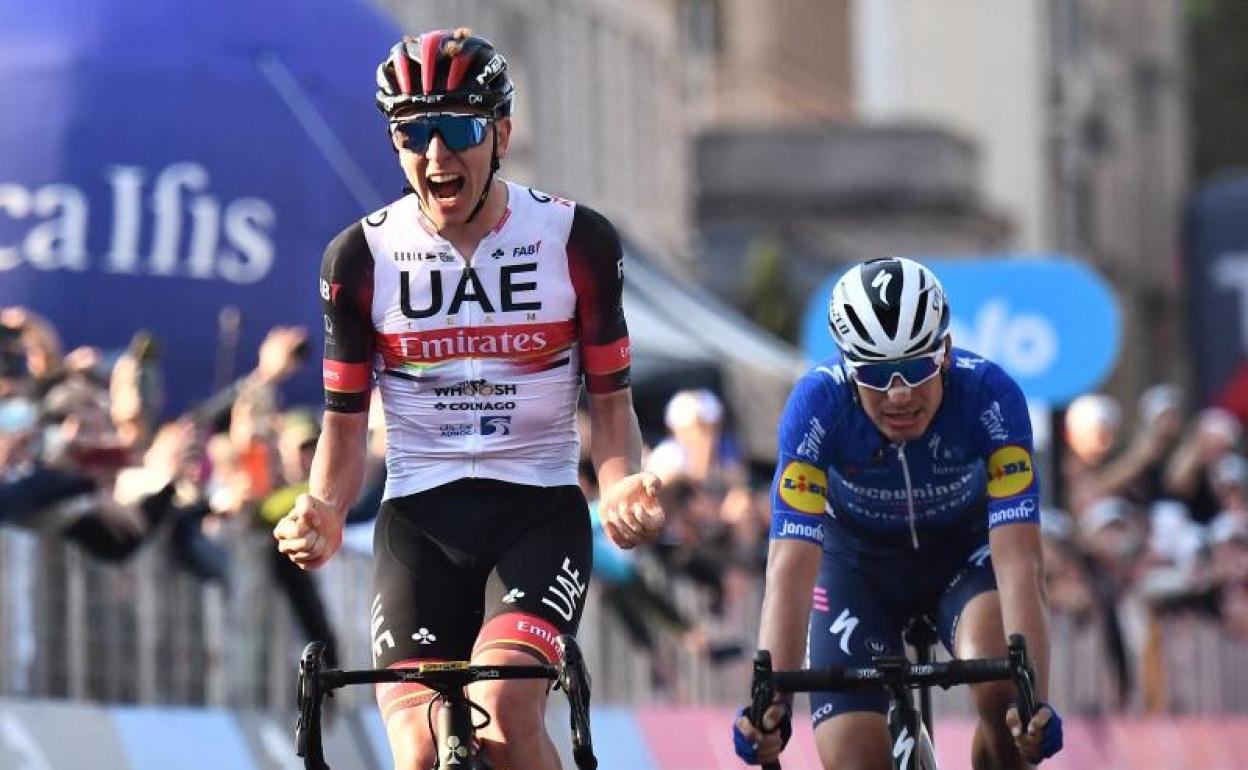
(503, 128)
(948, 362)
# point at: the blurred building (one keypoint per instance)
(836, 130)
(1077, 109)
(598, 104)
(790, 183)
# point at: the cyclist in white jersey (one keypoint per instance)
(478, 307)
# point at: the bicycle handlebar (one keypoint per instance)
(1016, 666)
(570, 676)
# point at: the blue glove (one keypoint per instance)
(1051, 738)
(746, 749)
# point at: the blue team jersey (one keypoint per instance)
(973, 467)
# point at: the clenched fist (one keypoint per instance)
(310, 534)
(630, 510)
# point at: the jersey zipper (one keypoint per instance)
(905, 471)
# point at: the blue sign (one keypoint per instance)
(1051, 322)
(163, 161)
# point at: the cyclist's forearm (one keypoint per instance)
(792, 568)
(1024, 611)
(614, 437)
(338, 466)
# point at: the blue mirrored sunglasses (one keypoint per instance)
(458, 132)
(878, 375)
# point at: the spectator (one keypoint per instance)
(697, 446)
(1214, 435)
(296, 443)
(1229, 480)
(641, 609)
(1091, 471)
(1228, 546)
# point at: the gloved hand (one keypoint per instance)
(1043, 736)
(758, 747)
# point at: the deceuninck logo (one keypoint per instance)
(1010, 471)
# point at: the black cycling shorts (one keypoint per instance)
(436, 550)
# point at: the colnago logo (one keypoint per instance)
(1024, 510)
(223, 240)
(806, 531)
(821, 713)
(475, 406)
(477, 388)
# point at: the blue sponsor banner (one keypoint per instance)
(1216, 252)
(1050, 321)
(162, 161)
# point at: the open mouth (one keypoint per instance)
(445, 186)
(904, 418)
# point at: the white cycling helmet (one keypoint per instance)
(887, 309)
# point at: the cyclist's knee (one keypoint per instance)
(410, 743)
(991, 700)
(517, 707)
(854, 741)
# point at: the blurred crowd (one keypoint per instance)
(87, 454)
(1147, 516)
(1152, 524)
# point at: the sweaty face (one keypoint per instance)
(450, 183)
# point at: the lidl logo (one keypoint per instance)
(804, 488)
(1010, 471)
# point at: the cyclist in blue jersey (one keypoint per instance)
(905, 485)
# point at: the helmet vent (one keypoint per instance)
(858, 325)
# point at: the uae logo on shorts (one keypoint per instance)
(499, 424)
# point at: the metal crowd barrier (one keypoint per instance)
(148, 632)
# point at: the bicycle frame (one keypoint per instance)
(456, 732)
(911, 744)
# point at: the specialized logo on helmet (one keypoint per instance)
(804, 488)
(881, 282)
(1010, 471)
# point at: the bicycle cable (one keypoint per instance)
(441, 695)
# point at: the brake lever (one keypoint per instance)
(762, 694)
(1024, 676)
(309, 694)
(575, 682)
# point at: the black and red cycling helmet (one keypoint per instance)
(444, 70)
